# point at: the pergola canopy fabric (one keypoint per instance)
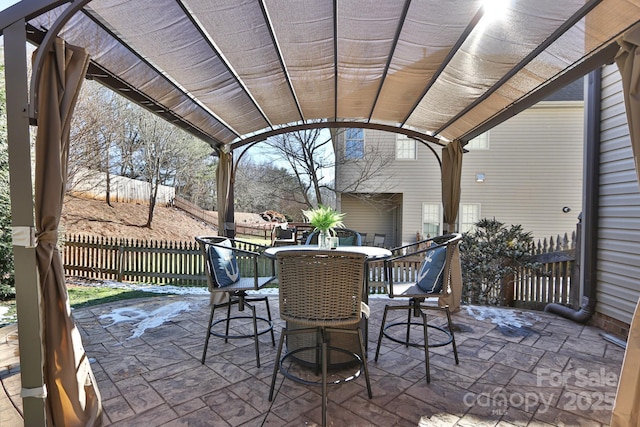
(236, 72)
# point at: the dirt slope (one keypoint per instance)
(94, 217)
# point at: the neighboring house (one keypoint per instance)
(527, 171)
(617, 260)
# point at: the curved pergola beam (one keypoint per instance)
(44, 48)
(337, 124)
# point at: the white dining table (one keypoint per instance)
(373, 253)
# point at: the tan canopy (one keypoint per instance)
(236, 72)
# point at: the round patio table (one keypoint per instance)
(346, 341)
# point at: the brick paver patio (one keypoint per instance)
(517, 368)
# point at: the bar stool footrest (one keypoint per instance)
(260, 320)
(448, 340)
(356, 360)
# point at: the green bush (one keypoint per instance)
(7, 283)
(491, 255)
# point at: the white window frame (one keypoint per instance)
(405, 148)
(431, 216)
(470, 214)
(480, 142)
(352, 152)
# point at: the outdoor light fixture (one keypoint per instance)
(480, 177)
(566, 209)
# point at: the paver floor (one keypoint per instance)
(517, 368)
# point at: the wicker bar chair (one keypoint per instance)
(223, 257)
(422, 271)
(320, 297)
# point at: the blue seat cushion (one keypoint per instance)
(224, 264)
(431, 274)
(347, 241)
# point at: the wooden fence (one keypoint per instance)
(253, 228)
(551, 282)
(182, 264)
(140, 261)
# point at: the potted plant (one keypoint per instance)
(324, 220)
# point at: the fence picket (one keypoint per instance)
(182, 263)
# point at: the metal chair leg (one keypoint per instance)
(364, 363)
(273, 337)
(226, 340)
(453, 337)
(384, 320)
(426, 345)
(276, 367)
(206, 341)
(255, 334)
(324, 383)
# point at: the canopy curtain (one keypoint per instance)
(73, 397)
(223, 182)
(626, 411)
(451, 176)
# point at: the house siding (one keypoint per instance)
(618, 254)
(533, 170)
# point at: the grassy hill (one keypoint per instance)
(127, 220)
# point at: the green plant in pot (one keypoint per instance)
(324, 220)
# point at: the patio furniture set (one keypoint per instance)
(323, 299)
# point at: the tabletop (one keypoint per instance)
(372, 252)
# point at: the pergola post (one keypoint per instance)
(22, 212)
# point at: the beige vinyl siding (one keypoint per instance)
(532, 169)
(368, 217)
(414, 181)
(619, 208)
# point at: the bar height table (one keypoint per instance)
(373, 253)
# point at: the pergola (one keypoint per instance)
(236, 72)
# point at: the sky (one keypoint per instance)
(6, 3)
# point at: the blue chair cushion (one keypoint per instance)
(431, 274)
(224, 264)
(347, 241)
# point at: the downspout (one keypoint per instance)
(588, 238)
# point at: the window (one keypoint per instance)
(480, 142)
(354, 144)
(405, 148)
(431, 219)
(469, 215)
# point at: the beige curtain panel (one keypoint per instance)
(626, 410)
(223, 183)
(73, 398)
(451, 176)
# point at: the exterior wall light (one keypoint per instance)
(480, 177)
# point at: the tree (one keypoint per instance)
(308, 157)
(160, 146)
(7, 280)
(491, 254)
(98, 125)
(311, 159)
(272, 191)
